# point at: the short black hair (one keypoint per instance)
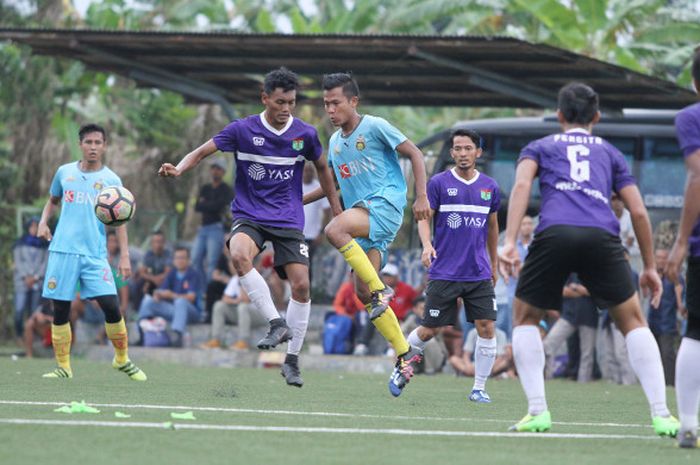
(157, 232)
(470, 133)
(281, 78)
(578, 103)
(91, 127)
(344, 80)
(695, 69)
(418, 300)
(180, 248)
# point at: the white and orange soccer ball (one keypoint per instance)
(115, 205)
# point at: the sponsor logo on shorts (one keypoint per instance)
(434, 312)
(454, 220)
(452, 191)
(52, 283)
(256, 171)
(258, 141)
(304, 249)
(495, 305)
(298, 144)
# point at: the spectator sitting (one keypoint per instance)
(175, 299)
(346, 303)
(401, 303)
(30, 254)
(151, 272)
(434, 354)
(663, 321)
(38, 324)
(504, 358)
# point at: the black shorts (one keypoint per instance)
(441, 302)
(288, 243)
(692, 298)
(596, 255)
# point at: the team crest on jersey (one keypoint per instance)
(298, 144)
(258, 141)
(51, 284)
(360, 143)
(485, 194)
(98, 186)
(452, 191)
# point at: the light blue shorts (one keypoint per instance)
(384, 223)
(65, 270)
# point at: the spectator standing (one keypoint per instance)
(505, 313)
(212, 202)
(30, 254)
(316, 215)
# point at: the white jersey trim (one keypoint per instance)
(285, 161)
(277, 132)
(460, 207)
(461, 179)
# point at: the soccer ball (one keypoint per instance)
(115, 205)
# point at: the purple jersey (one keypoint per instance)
(269, 166)
(688, 133)
(578, 173)
(460, 224)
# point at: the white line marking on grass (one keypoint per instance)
(296, 429)
(317, 414)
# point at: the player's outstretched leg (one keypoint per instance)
(61, 337)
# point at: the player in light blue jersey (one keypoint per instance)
(364, 156)
(78, 253)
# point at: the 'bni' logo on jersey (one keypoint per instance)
(452, 191)
(258, 141)
(344, 171)
(360, 143)
(454, 220)
(434, 312)
(298, 144)
(69, 196)
(304, 249)
(256, 171)
(485, 194)
(52, 283)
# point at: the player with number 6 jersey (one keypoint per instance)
(578, 233)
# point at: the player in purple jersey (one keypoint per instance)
(271, 149)
(463, 260)
(687, 372)
(578, 233)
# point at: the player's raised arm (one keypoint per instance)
(421, 207)
(43, 230)
(649, 278)
(328, 186)
(525, 173)
(191, 160)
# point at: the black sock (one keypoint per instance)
(291, 359)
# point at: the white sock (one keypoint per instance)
(528, 353)
(484, 358)
(645, 360)
(298, 321)
(416, 341)
(688, 384)
(258, 292)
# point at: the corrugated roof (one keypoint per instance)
(409, 70)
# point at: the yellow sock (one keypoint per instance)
(61, 337)
(358, 261)
(116, 332)
(388, 325)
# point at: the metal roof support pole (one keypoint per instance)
(492, 81)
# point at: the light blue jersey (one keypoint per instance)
(79, 231)
(366, 163)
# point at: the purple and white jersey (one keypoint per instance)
(578, 173)
(460, 225)
(688, 133)
(269, 166)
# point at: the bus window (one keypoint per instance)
(501, 165)
(662, 173)
(626, 146)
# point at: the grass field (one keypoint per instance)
(247, 416)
